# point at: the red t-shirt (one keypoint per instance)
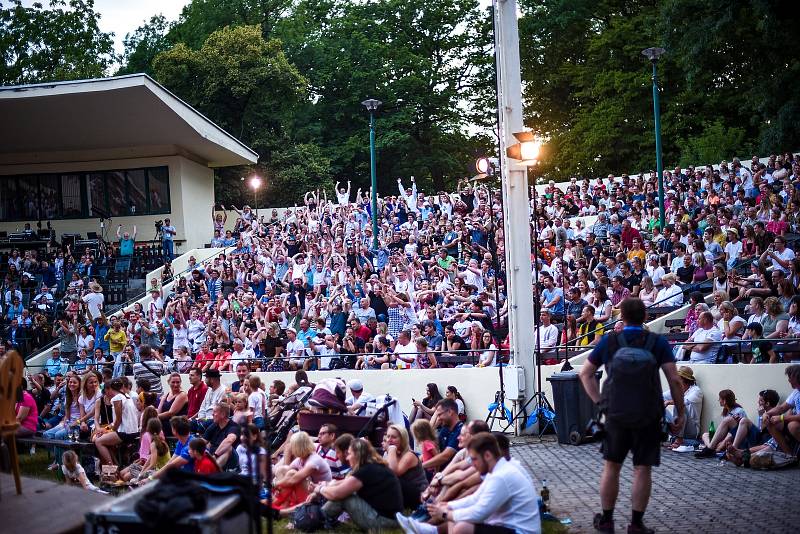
(196, 396)
(202, 357)
(206, 465)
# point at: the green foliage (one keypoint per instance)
(143, 45)
(716, 142)
(62, 42)
(727, 80)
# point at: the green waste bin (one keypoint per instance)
(574, 409)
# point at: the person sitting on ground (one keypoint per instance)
(405, 464)
(302, 467)
(448, 430)
(753, 436)
(783, 421)
(252, 454)
(693, 399)
(425, 437)
(732, 414)
(145, 443)
(223, 437)
(326, 437)
(157, 457)
(204, 461)
(125, 424)
(74, 474)
(371, 495)
(504, 503)
(181, 459)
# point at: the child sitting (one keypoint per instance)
(204, 463)
(242, 415)
(732, 414)
(74, 474)
(425, 436)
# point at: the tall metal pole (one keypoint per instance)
(659, 164)
(374, 177)
(514, 177)
(653, 54)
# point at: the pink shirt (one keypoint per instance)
(144, 446)
(33, 414)
(320, 470)
(428, 450)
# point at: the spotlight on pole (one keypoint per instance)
(527, 150)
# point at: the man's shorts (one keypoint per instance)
(644, 443)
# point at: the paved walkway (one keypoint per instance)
(689, 495)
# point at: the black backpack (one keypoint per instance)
(632, 392)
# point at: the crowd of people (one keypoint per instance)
(309, 290)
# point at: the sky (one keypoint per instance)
(124, 16)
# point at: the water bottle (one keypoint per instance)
(545, 494)
(711, 430)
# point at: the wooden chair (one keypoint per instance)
(10, 380)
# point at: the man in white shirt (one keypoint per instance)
(241, 354)
(405, 350)
(295, 349)
(327, 351)
(548, 333)
(704, 349)
(780, 255)
(214, 395)
(670, 294)
(733, 249)
(504, 503)
(94, 300)
(357, 400)
(693, 399)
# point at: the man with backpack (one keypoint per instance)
(632, 404)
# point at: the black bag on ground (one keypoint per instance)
(632, 392)
(170, 502)
(309, 517)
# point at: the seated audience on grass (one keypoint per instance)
(424, 409)
(326, 439)
(732, 414)
(425, 438)
(504, 503)
(405, 464)
(690, 434)
(153, 453)
(252, 454)
(222, 436)
(175, 402)
(205, 463)
(213, 396)
(300, 469)
(181, 459)
(26, 412)
(448, 428)
(371, 494)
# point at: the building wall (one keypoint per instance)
(191, 186)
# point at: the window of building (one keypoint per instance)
(85, 195)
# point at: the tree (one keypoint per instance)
(41, 45)
(143, 45)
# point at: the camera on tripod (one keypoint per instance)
(159, 224)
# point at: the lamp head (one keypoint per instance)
(527, 150)
(371, 104)
(653, 53)
(255, 182)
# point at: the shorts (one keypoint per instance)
(484, 528)
(644, 443)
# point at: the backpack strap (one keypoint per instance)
(650, 341)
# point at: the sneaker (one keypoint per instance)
(411, 526)
(52, 467)
(684, 448)
(708, 452)
(639, 529)
(601, 525)
(403, 522)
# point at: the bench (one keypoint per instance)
(658, 311)
(677, 336)
(672, 323)
(456, 359)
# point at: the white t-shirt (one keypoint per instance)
(295, 349)
(733, 250)
(786, 255)
(702, 335)
(256, 402)
(408, 351)
(130, 415)
(94, 301)
(244, 461)
(88, 404)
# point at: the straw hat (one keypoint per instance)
(686, 373)
(97, 288)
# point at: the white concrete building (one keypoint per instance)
(122, 147)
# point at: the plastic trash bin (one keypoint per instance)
(574, 409)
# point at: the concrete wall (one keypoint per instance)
(191, 194)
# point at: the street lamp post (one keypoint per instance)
(653, 54)
(372, 106)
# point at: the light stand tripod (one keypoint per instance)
(541, 409)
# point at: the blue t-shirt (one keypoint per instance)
(661, 349)
(449, 438)
(550, 294)
(182, 450)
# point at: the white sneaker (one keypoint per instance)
(684, 448)
(412, 526)
(403, 522)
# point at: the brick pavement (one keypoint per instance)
(689, 495)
